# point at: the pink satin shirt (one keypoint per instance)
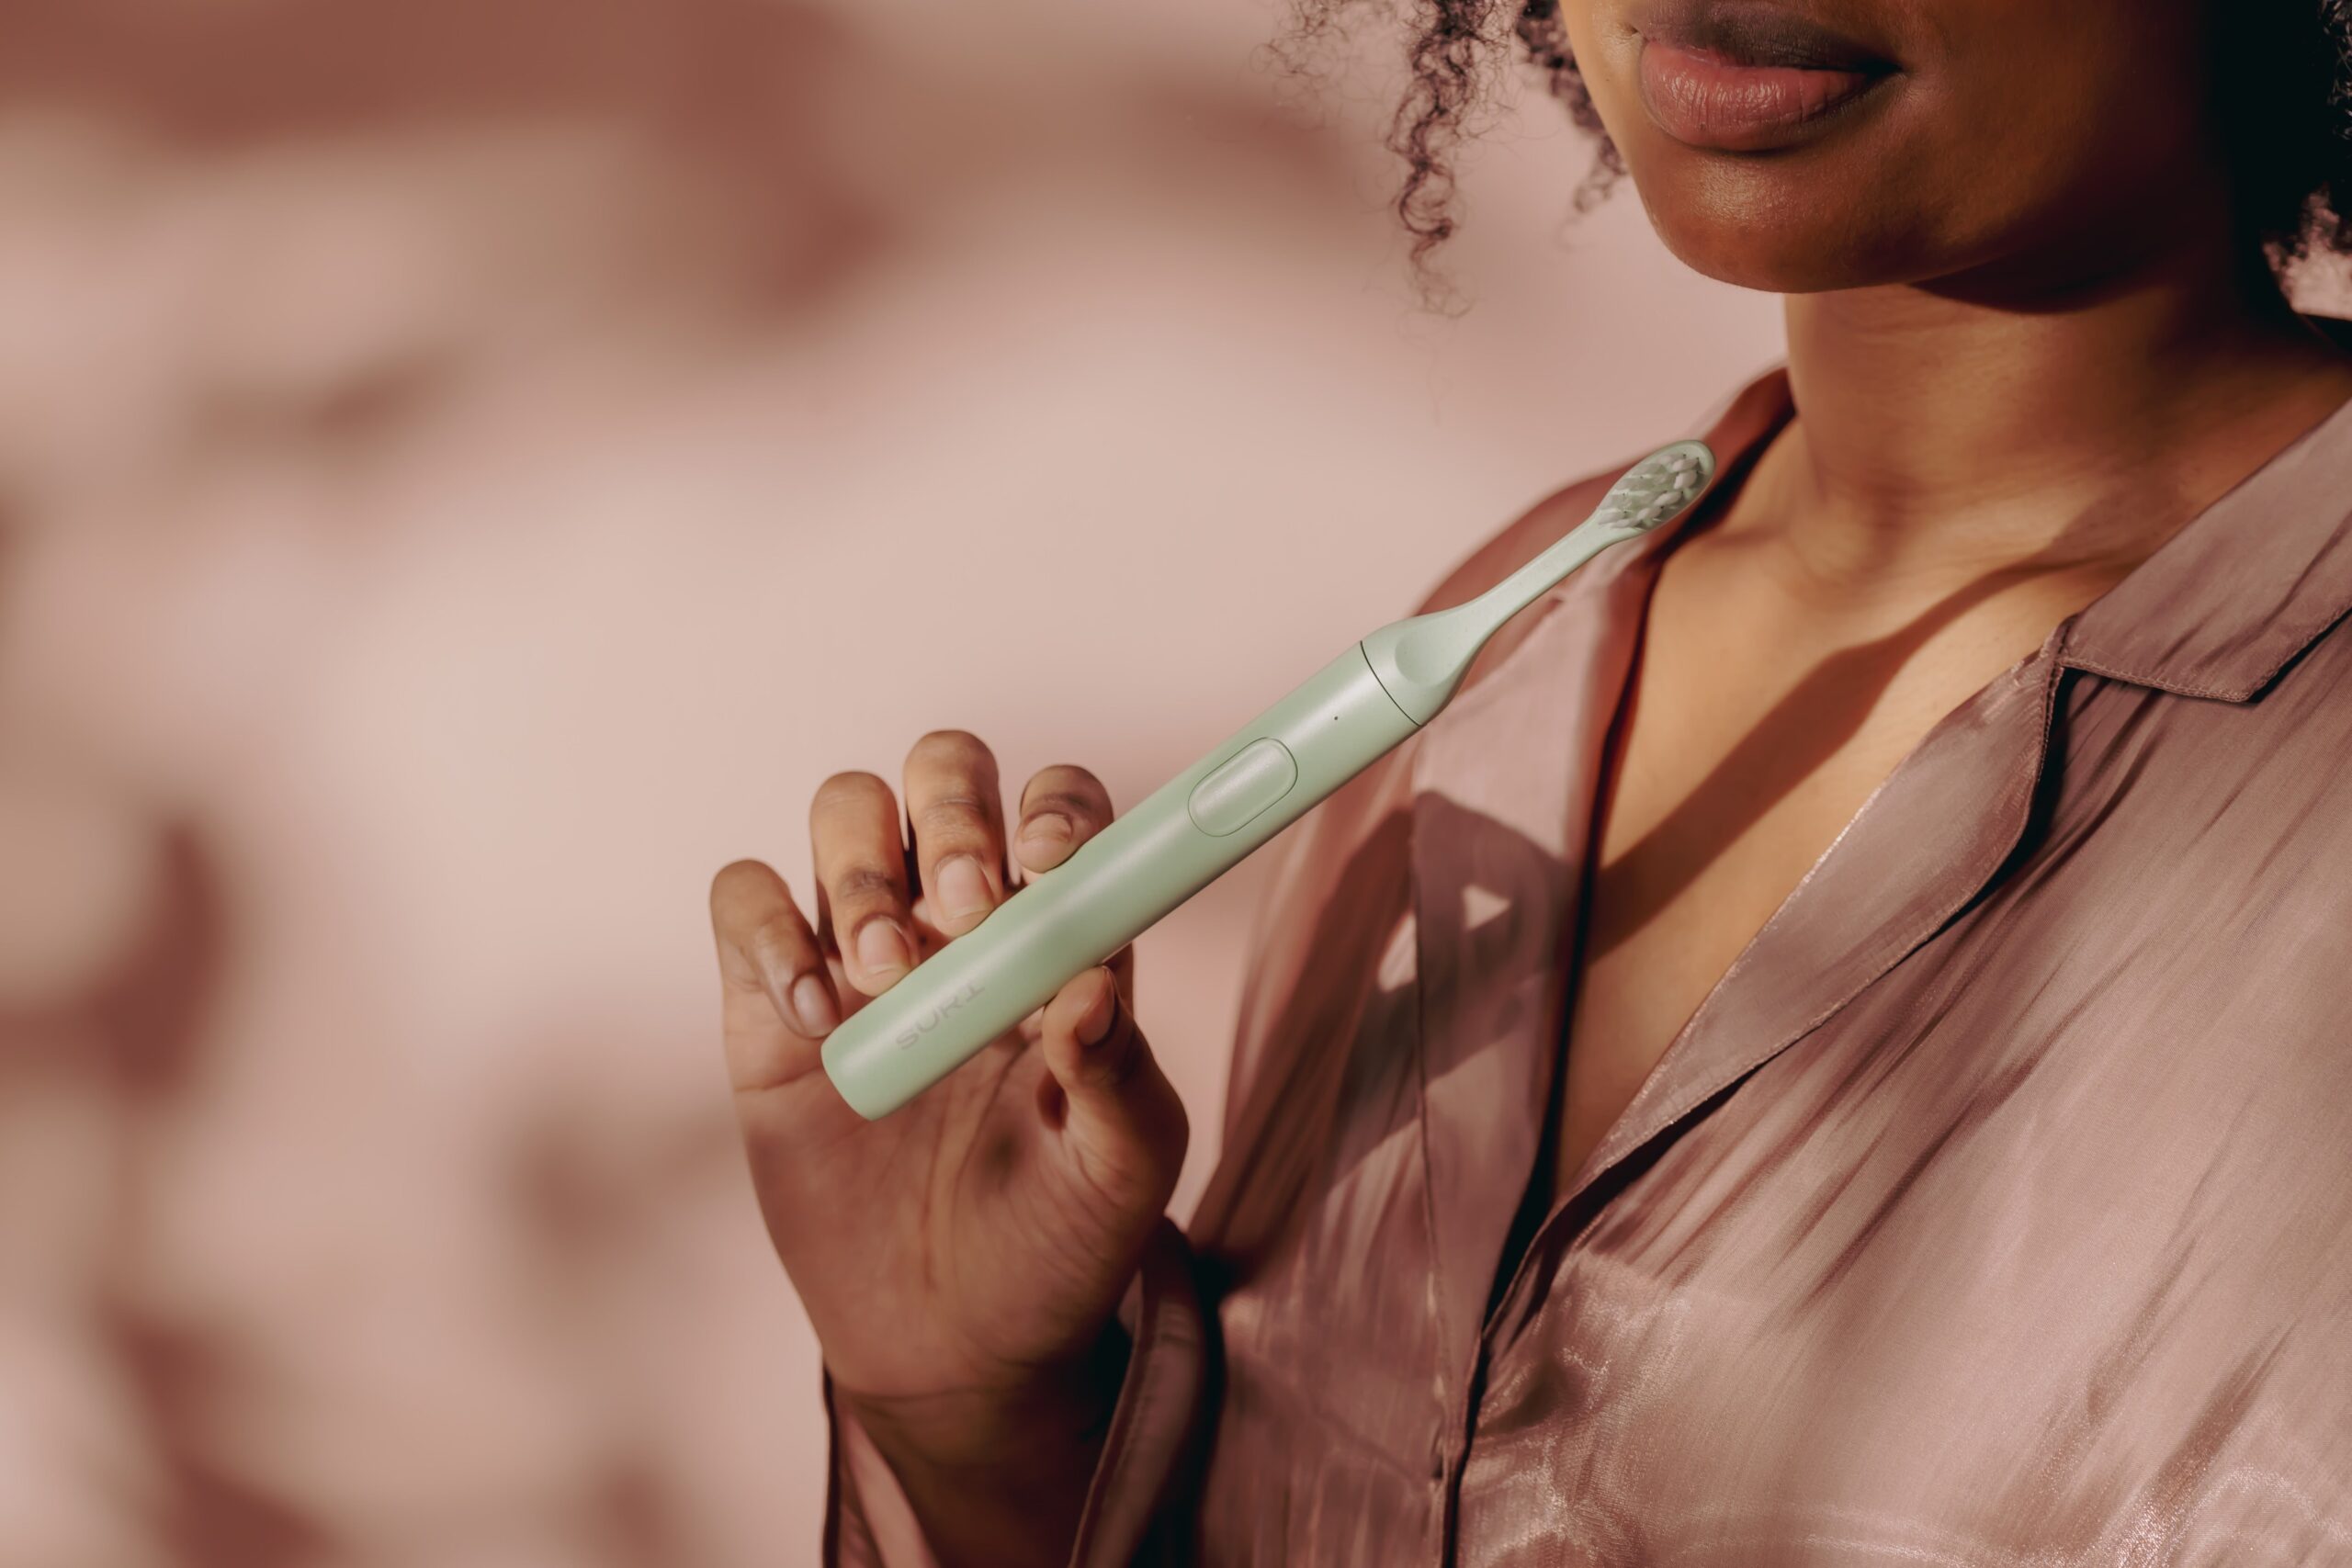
(1994, 1210)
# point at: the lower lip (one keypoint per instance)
(1708, 101)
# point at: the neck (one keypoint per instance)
(1942, 429)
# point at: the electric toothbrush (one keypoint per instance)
(1206, 820)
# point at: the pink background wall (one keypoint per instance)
(470, 468)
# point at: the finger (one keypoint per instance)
(1061, 808)
(861, 865)
(1122, 965)
(777, 998)
(1122, 1123)
(957, 809)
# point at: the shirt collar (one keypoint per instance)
(2219, 608)
(2240, 587)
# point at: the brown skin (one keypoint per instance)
(2025, 350)
(961, 1260)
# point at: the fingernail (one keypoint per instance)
(880, 948)
(1095, 1027)
(963, 886)
(1045, 831)
(812, 999)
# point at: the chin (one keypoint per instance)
(1768, 227)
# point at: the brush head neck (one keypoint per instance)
(1422, 660)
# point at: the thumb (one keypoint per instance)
(1122, 1123)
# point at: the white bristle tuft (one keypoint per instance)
(1657, 488)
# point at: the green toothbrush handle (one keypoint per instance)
(1114, 886)
(1198, 825)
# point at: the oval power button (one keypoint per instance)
(1243, 785)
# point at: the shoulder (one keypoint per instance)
(2200, 852)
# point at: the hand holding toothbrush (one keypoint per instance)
(962, 1262)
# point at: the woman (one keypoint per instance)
(1830, 1051)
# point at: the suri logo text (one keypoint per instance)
(931, 1019)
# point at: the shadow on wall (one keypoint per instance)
(813, 148)
(133, 1038)
(735, 90)
(586, 1198)
(246, 252)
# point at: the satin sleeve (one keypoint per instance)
(1143, 1496)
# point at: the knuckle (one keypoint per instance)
(950, 813)
(1069, 786)
(863, 884)
(776, 944)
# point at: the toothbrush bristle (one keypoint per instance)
(1659, 487)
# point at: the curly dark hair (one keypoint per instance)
(2289, 134)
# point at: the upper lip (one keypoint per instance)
(1758, 32)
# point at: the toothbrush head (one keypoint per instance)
(1657, 488)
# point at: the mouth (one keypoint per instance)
(1744, 77)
